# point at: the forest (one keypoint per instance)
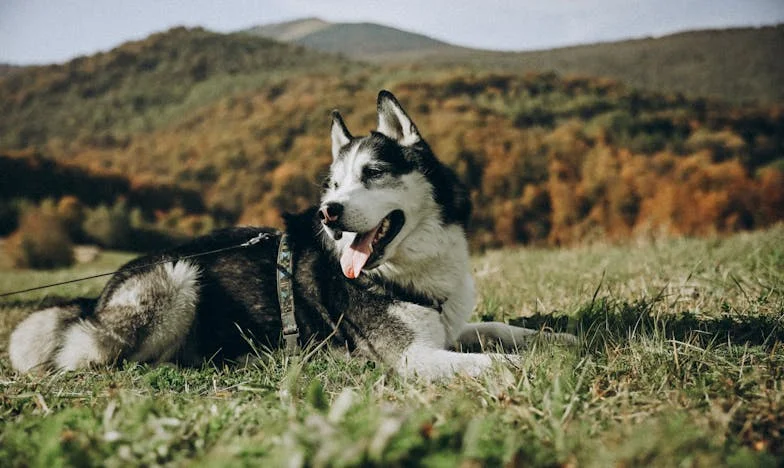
(188, 130)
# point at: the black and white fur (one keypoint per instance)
(407, 307)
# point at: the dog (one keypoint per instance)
(381, 266)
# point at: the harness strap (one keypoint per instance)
(286, 295)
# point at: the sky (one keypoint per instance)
(48, 31)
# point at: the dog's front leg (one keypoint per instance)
(431, 363)
(421, 332)
(508, 337)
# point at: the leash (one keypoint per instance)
(253, 241)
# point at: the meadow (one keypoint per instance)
(679, 363)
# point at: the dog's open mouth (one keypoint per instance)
(368, 247)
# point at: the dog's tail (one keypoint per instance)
(36, 341)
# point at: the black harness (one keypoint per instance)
(286, 294)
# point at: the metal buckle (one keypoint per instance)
(292, 341)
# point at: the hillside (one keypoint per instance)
(742, 64)
(243, 122)
(548, 161)
(141, 85)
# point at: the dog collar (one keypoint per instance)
(286, 295)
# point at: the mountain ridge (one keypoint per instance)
(734, 64)
(359, 40)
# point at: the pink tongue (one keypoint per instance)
(356, 255)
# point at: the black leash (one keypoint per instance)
(253, 241)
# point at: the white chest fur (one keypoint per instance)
(434, 261)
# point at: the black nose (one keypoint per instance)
(330, 212)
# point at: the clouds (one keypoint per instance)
(42, 31)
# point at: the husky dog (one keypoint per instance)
(381, 266)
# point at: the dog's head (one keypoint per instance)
(384, 187)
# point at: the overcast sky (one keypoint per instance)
(45, 31)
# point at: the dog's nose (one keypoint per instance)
(330, 212)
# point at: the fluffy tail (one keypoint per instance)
(36, 341)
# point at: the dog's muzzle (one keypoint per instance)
(330, 213)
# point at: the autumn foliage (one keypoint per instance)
(42, 240)
(548, 160)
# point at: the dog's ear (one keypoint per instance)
(393, 120)
(340, 134)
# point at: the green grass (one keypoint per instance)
(680, 364)
(13, 279)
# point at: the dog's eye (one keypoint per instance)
(371, 173)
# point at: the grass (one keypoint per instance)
(680, 364)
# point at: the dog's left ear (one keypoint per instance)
(340, 134)
(393, 120)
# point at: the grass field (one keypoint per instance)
(680, 363)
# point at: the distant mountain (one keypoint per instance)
(365, 41)
(737, 65)
(290, 30)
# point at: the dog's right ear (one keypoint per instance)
(393, 120)
(340, 134)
